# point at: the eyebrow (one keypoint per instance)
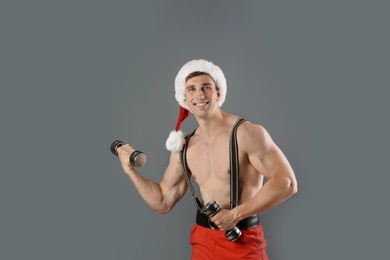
(203, 84)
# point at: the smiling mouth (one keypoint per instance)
(201, 104)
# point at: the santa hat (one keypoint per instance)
(175, 140)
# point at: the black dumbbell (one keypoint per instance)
(210, 209)
(137, 158)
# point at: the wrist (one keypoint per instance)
(237, 214)
(130, 171)
(242, 212)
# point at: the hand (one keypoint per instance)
(224, 219)
(124, 153)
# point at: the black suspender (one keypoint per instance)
(183, 160)
(234, 167)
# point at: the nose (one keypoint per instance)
(200, 93)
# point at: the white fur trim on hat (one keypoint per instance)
(204, 66)
(175, 141)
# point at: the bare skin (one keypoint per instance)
(208, 160)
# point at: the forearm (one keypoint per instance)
(273, 192)
(151, 192)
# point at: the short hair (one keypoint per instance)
(199, 73)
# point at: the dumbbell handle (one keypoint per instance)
(212, 208)
(137, 158)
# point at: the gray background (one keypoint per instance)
(75, 75)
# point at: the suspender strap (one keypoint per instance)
(234, 165)
(183, 160)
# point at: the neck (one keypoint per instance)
(211, 125)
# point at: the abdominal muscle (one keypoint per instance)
(216, 189)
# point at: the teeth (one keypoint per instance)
(200, 104)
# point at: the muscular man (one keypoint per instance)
(200, 87)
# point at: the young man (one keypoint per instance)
(200, 87)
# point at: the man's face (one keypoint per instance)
(201, 95)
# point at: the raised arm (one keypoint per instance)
(161, 197)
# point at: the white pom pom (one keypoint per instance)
(175, 141)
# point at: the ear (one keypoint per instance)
(185, 101)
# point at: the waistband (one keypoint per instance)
(250, 222)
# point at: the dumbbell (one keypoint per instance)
(137, 158)
(212, 208)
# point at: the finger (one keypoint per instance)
(126, 147)
(216, 221)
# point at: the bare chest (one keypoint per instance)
(209, 161)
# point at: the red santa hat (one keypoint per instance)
(175, 140)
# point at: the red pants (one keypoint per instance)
(210, 244)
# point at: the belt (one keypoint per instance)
(250, 222)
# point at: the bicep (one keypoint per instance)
(265, 155)
(173, 183)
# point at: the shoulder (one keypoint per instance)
(251, 129)
(253, 136)
(174, 164)
(174, 157)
